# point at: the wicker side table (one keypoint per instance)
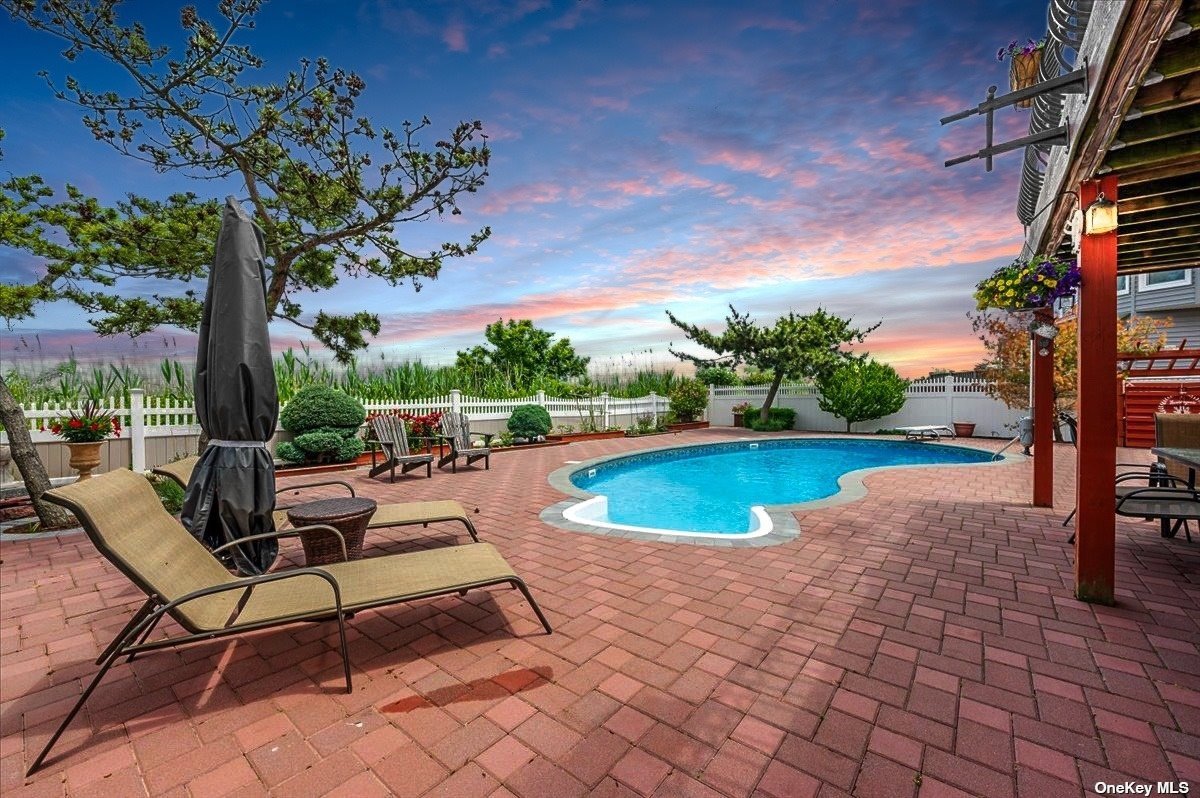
(349, 516)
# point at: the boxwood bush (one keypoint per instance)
(779, 418)
(325, 424)
(529, 421)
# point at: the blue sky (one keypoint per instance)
(646, 156)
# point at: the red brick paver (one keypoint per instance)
(922, 641)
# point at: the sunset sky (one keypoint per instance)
(683, 155)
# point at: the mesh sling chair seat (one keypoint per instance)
(386, 515)
(391, 437)
(457, 430)
(125, 520)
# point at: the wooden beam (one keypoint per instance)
(1121, 40)
(1159, 126)
(1160, 264)
(1095, 521)
(1158, 188)
(1182, 210)
(1160, 251)
(1168, 94)
(1184, 166)
(1166, 219)
(1043, 415)
(1149, 203)
(1180, 57)
(1153, 152)
(1154, 236)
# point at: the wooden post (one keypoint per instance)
(1043, 415)
(1095, 523)
(137, 429)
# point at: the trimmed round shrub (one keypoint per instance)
(529, 421)
(319, 407)
(689, 398)
(325, 424)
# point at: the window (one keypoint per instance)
(1168, 279)
(1122, 284)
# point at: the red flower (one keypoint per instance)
(75, 424)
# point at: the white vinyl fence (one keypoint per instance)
(156, 431)
(938, 400)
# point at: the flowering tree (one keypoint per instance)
(1006, 339)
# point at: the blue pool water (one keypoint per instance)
(711, 488)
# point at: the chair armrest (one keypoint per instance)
(321, 483)
(487, 437)
(294, 532)
(1184, 494)
(242, 584)
(1161, 479)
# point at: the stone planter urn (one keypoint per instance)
(963, 429)
(85, 457)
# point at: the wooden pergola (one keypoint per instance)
(1135, 137)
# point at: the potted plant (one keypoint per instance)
(84, 432)
(689, 399)
(1024, 61)
(963, 429)
(739, 413)
(1028, 284)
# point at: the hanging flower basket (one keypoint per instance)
(1024, 61)
(1028, 285)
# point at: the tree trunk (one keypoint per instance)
(847, 426)
(33, 472)
(764, 415)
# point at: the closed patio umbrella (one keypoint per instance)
(232, 490)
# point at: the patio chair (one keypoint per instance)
(457, 430)
(386, 515)
(1177, 430)
(1166, 498)
(124, 518)
(391, 436)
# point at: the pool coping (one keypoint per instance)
(785, 527)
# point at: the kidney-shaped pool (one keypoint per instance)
(723, 489)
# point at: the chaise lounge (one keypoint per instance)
(125, 520)
(386, 515)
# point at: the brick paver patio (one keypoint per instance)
(922, 641)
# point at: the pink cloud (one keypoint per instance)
(522, 197)
(455, 37)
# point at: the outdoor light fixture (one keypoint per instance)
(1045, 333)
(1100, 217)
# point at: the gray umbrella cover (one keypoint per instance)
(232, 490)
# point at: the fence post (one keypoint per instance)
(604, 408)
(654, 406)
(137, 429)
(712, 397)
(541, 398)
(455, 400)
(948, 387)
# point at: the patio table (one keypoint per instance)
(349, 516)
(1187, 457)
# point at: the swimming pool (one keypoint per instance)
(724, 489)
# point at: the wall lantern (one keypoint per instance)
(1100, 217)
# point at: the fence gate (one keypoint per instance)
(1165, 382)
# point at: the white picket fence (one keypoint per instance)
(938, 400)
(147, 419)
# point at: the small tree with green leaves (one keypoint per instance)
(796, 346)
(524, 352)
(862, 390)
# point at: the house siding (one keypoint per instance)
(1180, 303)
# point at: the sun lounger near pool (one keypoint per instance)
(926, 432)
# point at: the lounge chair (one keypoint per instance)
(392, 438)
(386, 515)
(926, 432)
(457, 430)
(125, 520)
